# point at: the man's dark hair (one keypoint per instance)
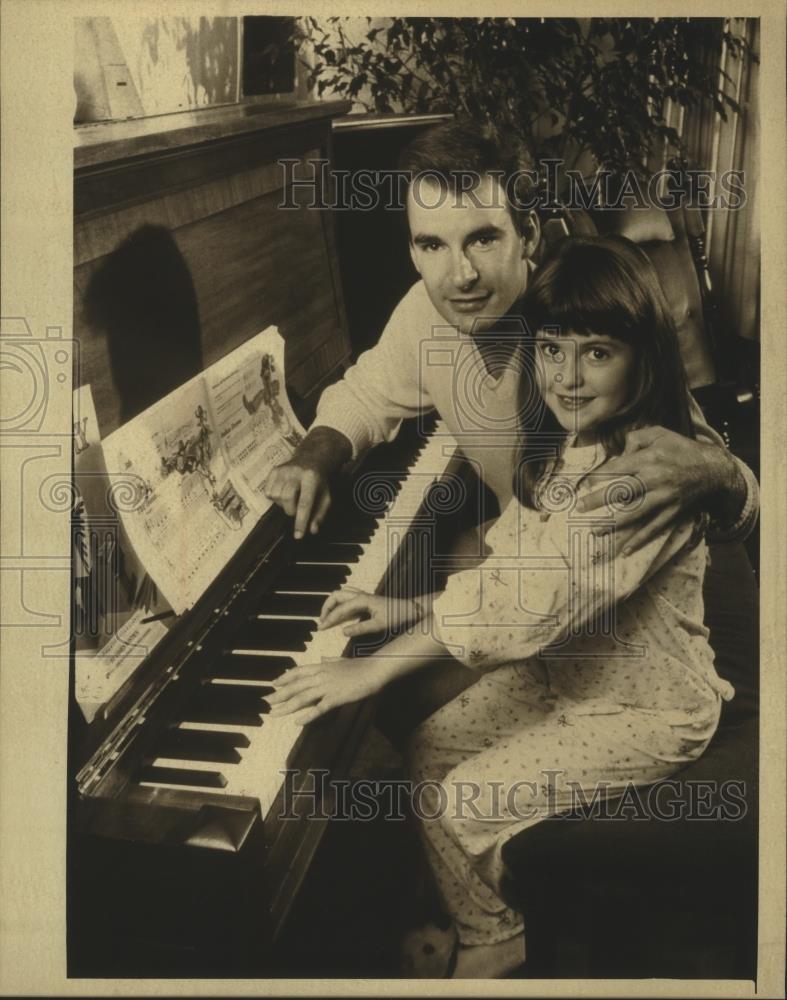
(454, 151)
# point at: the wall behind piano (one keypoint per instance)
(133, 66)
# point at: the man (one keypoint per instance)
(472, 246)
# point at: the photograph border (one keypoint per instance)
(36, 63)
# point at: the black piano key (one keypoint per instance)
(323, 579)
(251, 668)
(358, 534)
(227, 705)
(339, 527)
(232, 697)
(291, 604)
(270, 633)
(191, 744)
(345, 553)
(220, 715)
(181, 776)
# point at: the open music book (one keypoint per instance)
(184, 479)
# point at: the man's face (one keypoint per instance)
(468, 251)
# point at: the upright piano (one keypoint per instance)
(186, 845)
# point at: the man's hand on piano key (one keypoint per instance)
(302, 493)
(309, 691)
(301, 487)
(375, 613)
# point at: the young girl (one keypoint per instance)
(595, 673)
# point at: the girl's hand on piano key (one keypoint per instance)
(311, 690)
(376, 614)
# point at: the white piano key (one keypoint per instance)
(283, 617)
(201, 789)
(289, 653)
(257, 652)
(218, 727)
(319, 562)
(251, 682)
(193, 765)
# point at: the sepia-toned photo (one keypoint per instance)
(386, 519)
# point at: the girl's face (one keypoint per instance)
(585, 380)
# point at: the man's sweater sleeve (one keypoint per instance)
(747, 518)
(384, 386)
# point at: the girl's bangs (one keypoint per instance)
(584, 298)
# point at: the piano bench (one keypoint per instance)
(669, 887)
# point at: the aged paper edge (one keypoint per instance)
(37, 239)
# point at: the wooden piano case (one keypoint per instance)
(181, 253)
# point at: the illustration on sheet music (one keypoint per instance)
(256, 423)
(200, 457)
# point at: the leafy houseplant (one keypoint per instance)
(591, 93)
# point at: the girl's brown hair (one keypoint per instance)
(603, 286)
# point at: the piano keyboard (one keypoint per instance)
(225, 742)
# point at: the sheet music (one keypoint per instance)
(252, 412)
(113, 596)
(189, 516)
(197, 460)
(99, 676)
